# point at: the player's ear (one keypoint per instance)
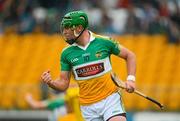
(79, 28)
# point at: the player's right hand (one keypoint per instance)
(46, 77)
(130, 86)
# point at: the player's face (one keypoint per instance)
(68, 33)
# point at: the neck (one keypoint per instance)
(83, 39)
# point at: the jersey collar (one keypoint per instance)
(90, 40)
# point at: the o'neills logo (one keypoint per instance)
(90, 70)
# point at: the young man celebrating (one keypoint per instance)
(88, 57)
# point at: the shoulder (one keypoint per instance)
(105, 39)
(102, 37)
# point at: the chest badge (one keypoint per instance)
(98, 54)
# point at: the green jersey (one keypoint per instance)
(54, 103)
(91, 66)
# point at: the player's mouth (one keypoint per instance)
(68, 37)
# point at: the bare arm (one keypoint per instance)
(36, 104)
(130, 58)
(61, 83)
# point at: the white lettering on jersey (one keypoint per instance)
(74, 60)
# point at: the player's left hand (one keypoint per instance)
(130, 86)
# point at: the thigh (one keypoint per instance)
(121, 117)
(114, 108)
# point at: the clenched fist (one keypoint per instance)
(46, 77)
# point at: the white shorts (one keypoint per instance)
(104, 109)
